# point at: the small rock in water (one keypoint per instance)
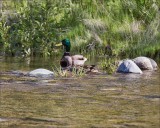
(128, 66)
(41, 73)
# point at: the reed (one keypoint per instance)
(72, 72)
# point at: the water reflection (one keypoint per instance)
(17, 63)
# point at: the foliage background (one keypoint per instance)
(33, 27)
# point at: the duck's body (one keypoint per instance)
(78, 60)
(68, 60)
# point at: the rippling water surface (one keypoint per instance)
(93, 101)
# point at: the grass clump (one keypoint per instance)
(109, 64)
(70, 72)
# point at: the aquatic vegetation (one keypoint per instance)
(109, 64)
(59, 72)
(70, 72)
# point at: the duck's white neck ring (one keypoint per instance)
(66, 54)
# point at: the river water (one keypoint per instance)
(92, 101)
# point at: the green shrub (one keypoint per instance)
(131, 27)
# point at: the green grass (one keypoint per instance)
(131, 27)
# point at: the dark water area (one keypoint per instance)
(92, 101)
(19, 63)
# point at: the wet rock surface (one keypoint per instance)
(128, 66)
(137, 65)
(143, 63)
(41, 73)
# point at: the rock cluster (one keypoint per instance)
(137, 65)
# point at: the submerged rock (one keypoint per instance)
(41, 73)
(3, 119)
(128, 66)
(144, 63)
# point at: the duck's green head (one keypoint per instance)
(66, 43)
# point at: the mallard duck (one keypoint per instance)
(68, 60)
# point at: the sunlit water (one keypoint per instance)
(92, 101)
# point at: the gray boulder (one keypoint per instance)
(128, 66)
(154, 64)
(41, 73)
(143, 63)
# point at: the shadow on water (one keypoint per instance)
(93, 101)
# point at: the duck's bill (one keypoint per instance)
(59, 44)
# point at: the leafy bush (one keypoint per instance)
(129, 26)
